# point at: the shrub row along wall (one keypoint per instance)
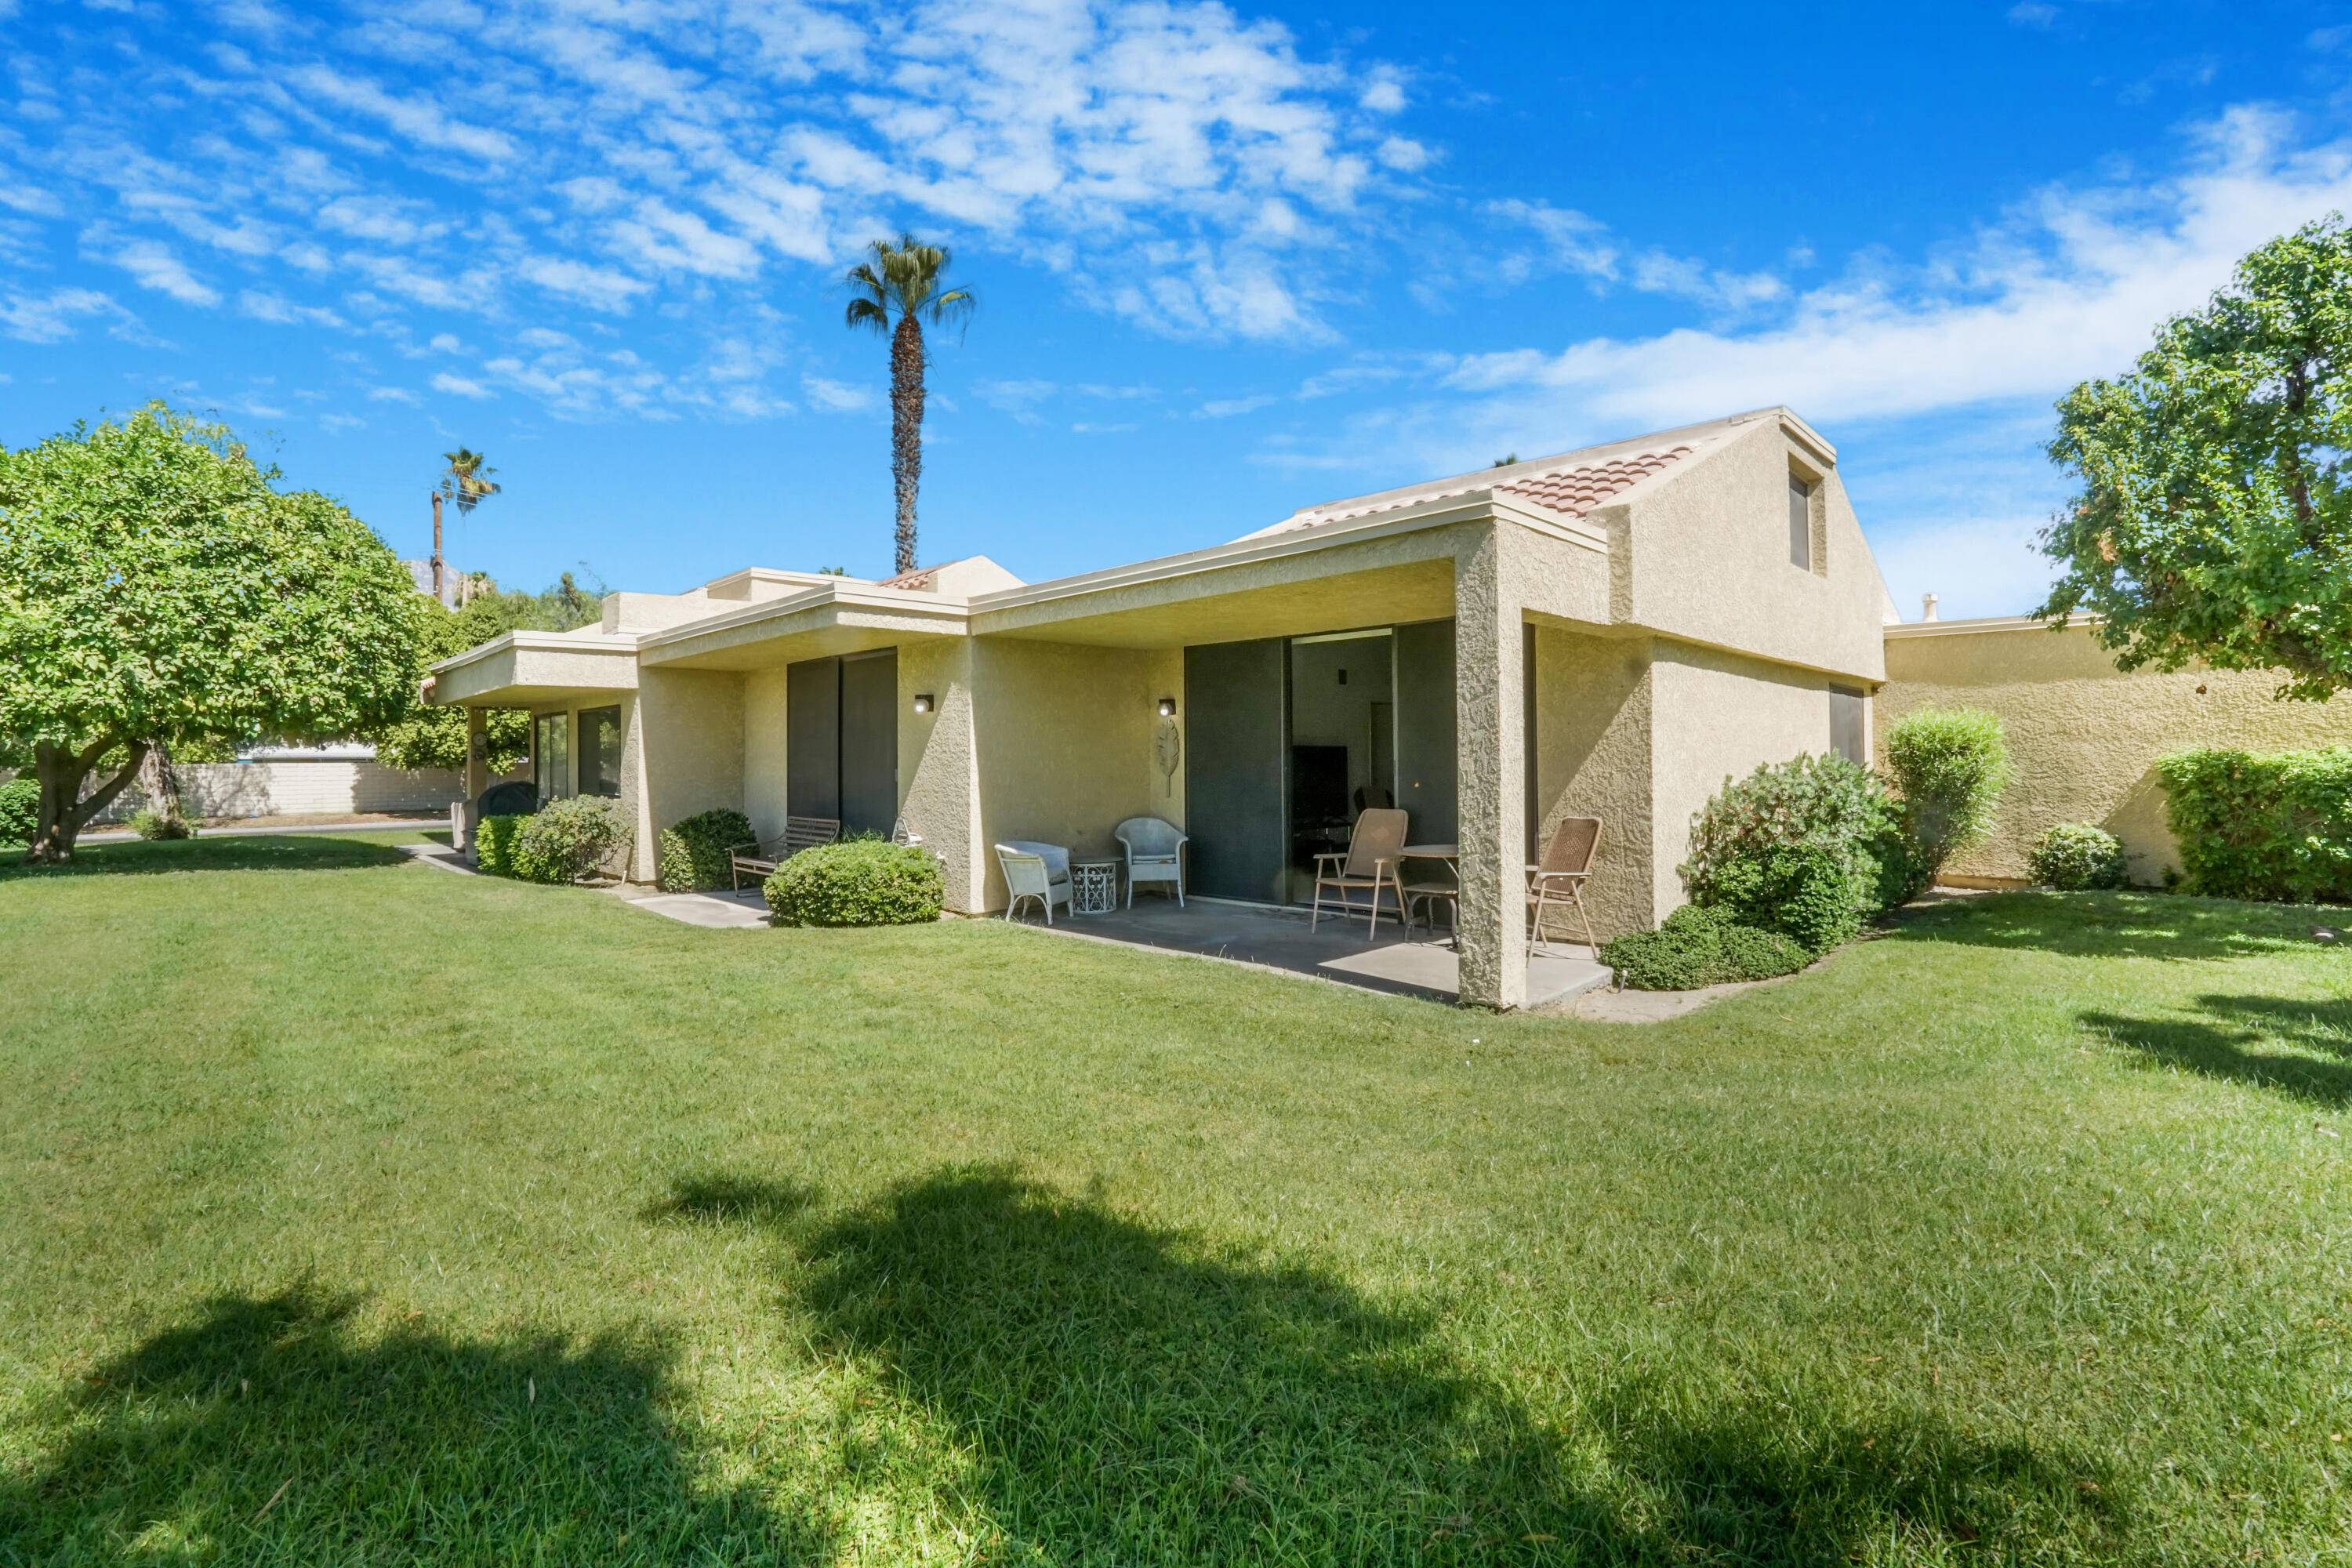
(2276, 826)
(2083, 737)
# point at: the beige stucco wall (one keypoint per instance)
(2085, 737)
(1718, 716)
(686, 726)
(1704, 556)
(763, 749)
(1593, 759)
(1064, 745)
(937, 768)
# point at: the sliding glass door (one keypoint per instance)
(1289, 739)
(841, 739)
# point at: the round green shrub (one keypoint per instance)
(20, 810)
(1808, 848)
(569, 840)
(1698, 946)
(149, 822)
(694, 852)
(857, 882)
(1948, 766)
(2074, 856)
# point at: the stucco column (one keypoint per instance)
(1489, 707)
(478, 753)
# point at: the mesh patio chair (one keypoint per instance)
(1033, 870)
(1155, 853)
(762, 856)
(1370, 863)
(1557, 882)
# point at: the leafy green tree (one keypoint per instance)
(154, 586)
(2214, 521)
(899, 289)
(424, 737)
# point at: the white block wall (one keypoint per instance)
(307, 788)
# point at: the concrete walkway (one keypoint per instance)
(711, 911)
(1338, 950)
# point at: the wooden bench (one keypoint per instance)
(762, 856)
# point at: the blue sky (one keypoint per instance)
(1232, 259)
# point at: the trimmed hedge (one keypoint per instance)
(866, 881)
(569, 840)
(562, 841)
(494, 845)
(1698, 947)
(2275, 826)
(694, 852)
(20, 810)
(2072, 857)
(1810, 849)
(1948, 766)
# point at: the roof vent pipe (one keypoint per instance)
(1927, 606)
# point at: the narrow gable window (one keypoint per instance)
(1800, 523)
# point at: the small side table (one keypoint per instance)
(1093, 886)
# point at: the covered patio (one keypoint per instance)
(1414, 964)
(1408, 963)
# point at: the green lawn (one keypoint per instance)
(354, 1212)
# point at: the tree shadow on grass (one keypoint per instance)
(2316, 1063)
(2117, 925)
(252, 852)
(265, 1432)
(1121, 1394)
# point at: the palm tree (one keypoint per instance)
(894, 294)
(467, 481)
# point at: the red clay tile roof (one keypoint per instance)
(1573, 489)
(918, 579)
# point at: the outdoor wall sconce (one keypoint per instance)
(923, 701)
(1167, 708)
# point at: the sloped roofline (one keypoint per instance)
(1698, 438)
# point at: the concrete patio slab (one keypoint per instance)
(711, 911)
(1336, 950)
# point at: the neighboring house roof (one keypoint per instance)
(1570, 483)
(920, 578)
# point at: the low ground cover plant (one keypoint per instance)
(1698, 946)
(1948, 766)
(866, 881)
(2074, 857)
(20, 810)
(1811, 848)
(2252, 825)
(694, 851)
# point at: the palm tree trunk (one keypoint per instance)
(907, 430)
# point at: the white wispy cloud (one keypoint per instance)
(614, 157)
(1576, 242)
(154, 266)
(2069, 286)
(51, 317)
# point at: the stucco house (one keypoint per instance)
(1606, 632)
